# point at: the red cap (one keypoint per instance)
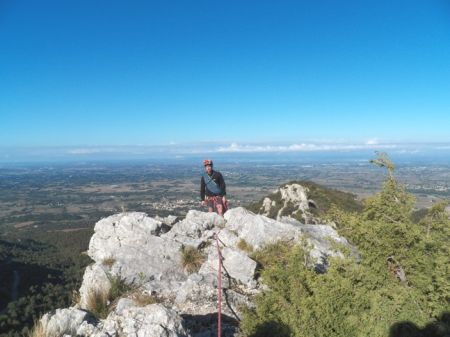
(207, 162)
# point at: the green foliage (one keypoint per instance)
(50, 266)
(119, 287)
(400, 282)
(325, 198)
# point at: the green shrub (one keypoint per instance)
(400, 282)
(119, 288)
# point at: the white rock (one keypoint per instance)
(95, 279)
(124, 229)
(168, 220)
(228, 238)
(140, 255)
(267, 205)
(195, 228)
(295, 194)
(150, 259)
(235, 264)
(64, 322)
(259, 230)
(153, 320)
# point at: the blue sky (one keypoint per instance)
(108, 73)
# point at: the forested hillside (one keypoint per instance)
(39, 272)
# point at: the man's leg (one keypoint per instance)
(219, 206)
(210, 204)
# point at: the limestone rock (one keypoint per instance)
(65, 322)
(153, 320)
(136, 248)
(259, 230)
(95, 279)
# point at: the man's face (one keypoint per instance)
(208, 169)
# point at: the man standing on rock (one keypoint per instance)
(213, 189)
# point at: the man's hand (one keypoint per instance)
(224, 199)
(203, 202)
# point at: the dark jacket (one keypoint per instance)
(218, 179)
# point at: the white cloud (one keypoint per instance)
(373, 141)
(85, 151)
(303, 147)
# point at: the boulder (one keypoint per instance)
(259, 230)
(95, 279)
(66, 322)
(153, 320)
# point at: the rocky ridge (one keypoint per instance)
(147, 253)
(305, 202)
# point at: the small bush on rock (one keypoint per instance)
(245, 246)
(119, 287)
(108, 262)
(97, 303)
(144, 299)
(191, 259)
(101, 302)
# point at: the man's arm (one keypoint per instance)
(202, 189)
(222, 185)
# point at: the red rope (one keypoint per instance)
(219, 291)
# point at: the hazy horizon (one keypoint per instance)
(429, 153)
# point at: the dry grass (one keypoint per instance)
(101, 302)
(76, 297)
(191, 259)
(37, 330)
(144, 299)
(245, 246)
(97, 303)
(108, 261)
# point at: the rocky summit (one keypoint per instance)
(158, 277)
(304, 201)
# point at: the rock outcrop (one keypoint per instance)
(305, 202)
(148, 255)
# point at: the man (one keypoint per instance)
(213, 189)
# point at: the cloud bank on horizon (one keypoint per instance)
(176, 150)
(303, 147)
